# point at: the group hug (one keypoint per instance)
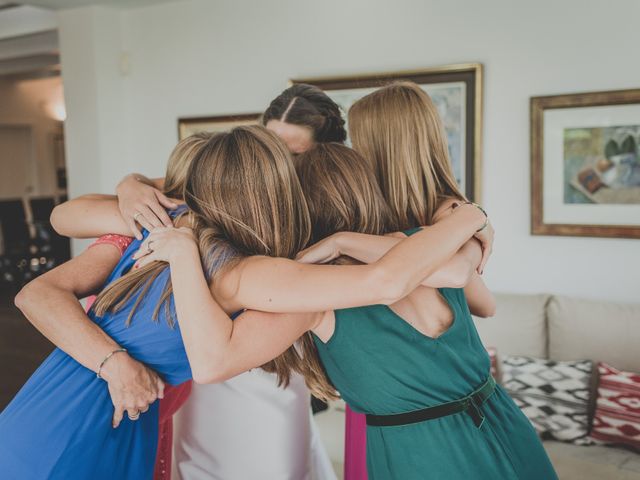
(272, 262)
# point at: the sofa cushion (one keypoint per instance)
(617, 416)
(553, 395)
(592, 463)
(600, 331)
(519, 326)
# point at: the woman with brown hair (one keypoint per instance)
(248, 215)
(206, 440)
(342, 195)
(397, 128)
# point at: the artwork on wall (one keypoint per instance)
(456, 91)
(585, 164)
(220, 123)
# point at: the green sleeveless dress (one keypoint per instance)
(382, 365)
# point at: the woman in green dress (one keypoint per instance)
(417, 368)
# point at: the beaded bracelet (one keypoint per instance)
(119, 350)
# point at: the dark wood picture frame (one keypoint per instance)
(537, 107)
(469, 73)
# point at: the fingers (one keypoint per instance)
(150, 215)
(133, 226)
(146, 260)
(117, 416)
(165, 201)
(160, 212)
(483, 261)
(160, 388)
(133, 413)
(301, 255)
(143, 220)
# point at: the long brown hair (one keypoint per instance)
(308, 106)
(399, 130)
(138, 282)
(244, 199)
(341, 192)
(343, 195)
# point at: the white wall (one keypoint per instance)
(214, 57)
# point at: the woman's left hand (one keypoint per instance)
(164, 244)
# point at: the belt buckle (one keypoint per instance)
(475, 412)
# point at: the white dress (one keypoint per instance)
(249, 428)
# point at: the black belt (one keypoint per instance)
(470, 404)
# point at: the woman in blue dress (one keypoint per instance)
(247, 209)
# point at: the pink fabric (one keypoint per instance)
(119, 241)
(174, 396)
(355, 446)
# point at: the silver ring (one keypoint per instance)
(149, 249)
(133, 417)
(135, 217)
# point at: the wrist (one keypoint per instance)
(125, 181)
(187, 250)
(340, 242)
(478, 217)
(112, 367)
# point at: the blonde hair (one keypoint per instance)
(244, 199)
(117, 294)
(179, 162)
(399, 130)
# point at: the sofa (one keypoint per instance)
(556, 328)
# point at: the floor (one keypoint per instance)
(22, 348)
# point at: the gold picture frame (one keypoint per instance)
(468, 167)
(584, 201)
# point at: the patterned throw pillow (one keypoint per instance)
(617, 417)
(553, 395)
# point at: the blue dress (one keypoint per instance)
(59, 425)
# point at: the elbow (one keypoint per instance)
(209, 375)
(487, 309)
(56, 220)
(462, 275)
(210, 371)
(26, 295)
(204, 378)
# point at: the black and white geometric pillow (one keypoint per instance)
(553, 395)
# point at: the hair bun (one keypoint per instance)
(333, 129)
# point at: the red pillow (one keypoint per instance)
(493, 356)
(617, 416)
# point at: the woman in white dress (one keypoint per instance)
(220, 423)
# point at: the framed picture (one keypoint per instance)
(585, 164)
(456, 91)
(220, 123)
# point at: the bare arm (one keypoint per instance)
(89, 216)
(139, 203)
(50, 302)
(275, 284)
(140, 200)
(282, 285)
(455, 273)
(217, 347)
(481, 301)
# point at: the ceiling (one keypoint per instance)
(63, 4)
